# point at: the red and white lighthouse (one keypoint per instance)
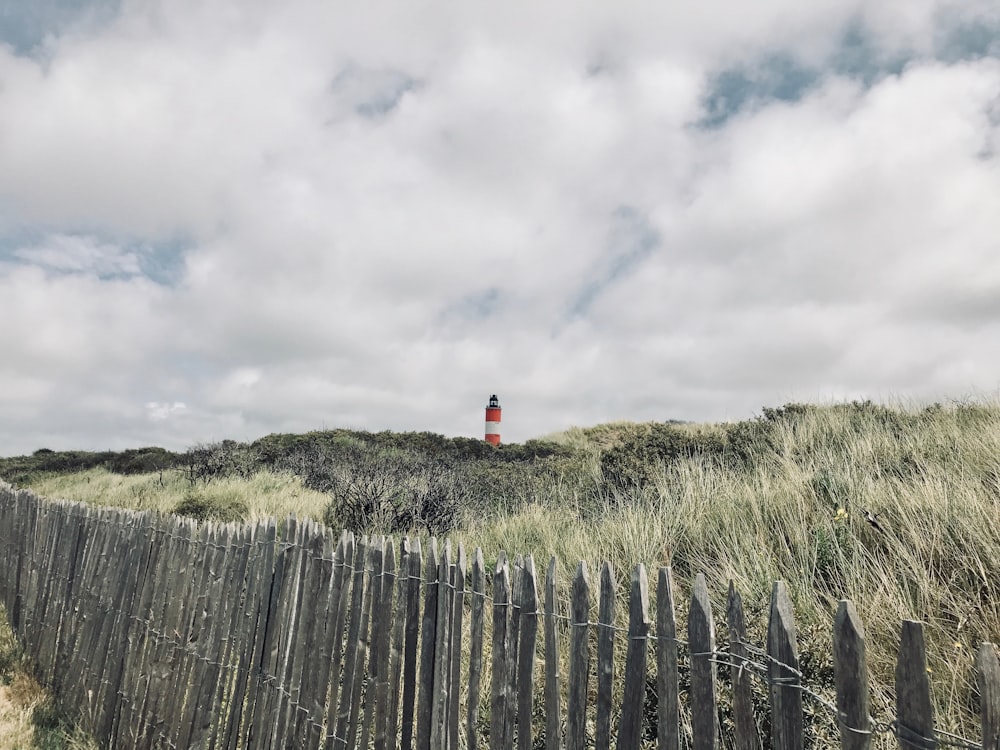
(493, 421)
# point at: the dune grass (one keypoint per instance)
(786, 497)
(264, 495)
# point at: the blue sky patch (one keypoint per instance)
(775, 78)
(24, 24)
(372, 94)
(633, 239)
(780, 77)
(970, 41)
(477, 307)
(61, 251)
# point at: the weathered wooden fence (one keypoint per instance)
(162, 633)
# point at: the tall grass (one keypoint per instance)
(787, 496)
(266, 494)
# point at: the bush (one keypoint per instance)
(637, 460)
(142, 461)
(201, 508)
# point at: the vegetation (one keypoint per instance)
(29, 718)
(897, 509)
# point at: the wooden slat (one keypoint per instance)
(411, 634)
(526, 652)
(783, 673)
(605, 656)
(744, 727)
(579, 660)
(212, 713)
(256, 608)
(667, 706)
(428, 644)
(701, 641)
(475, 648)
(374, 553)
(501, 624)
(215, 609)
(316, 678)
(347, 583)
(164, 661)
(378, 623)
(513, 644)
(442, 662)
(113, 641)
(397, 641)
(306, 640)
(630, 726)
(455, 650)
(988, 681)
(268, 680)
(382, 647)
(914, 709)
(850, 669)
(134, 628)
(289, 611)
(352, 669)
(553, 709)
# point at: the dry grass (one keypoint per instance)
(28, 719)
(264, 495)
(795, 512)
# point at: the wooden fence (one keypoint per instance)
(160, 633)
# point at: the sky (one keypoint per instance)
(227, 218)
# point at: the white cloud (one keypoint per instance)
(157, 411)
(390, 213)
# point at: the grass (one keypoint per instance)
(264, 495)
(29, 719)
(782, 497)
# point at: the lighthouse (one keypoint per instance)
(493, 421)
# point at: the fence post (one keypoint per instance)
(374, 560)
(744, 726)
(513, 644)
(850, 668)
(350, 650)
(553, 712)
(476, 648)
(605, 656)
(667, 706)
(458, 611)
(630, 727)
(428, 642)
(396, 643)
(579, 661)
(498, 687)
(382, 651)
(701, 643)
(442, 661)
(526, 652)
(988, 678)
(406, 721)
(783, 673)
(914, 711)
(374, 635)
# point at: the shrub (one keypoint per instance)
(638, 459)
(201, 508)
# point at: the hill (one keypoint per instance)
(896, 509)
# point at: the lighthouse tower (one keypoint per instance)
(493, 421)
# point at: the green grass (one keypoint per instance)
(781, 497)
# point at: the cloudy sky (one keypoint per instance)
(225, 218)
